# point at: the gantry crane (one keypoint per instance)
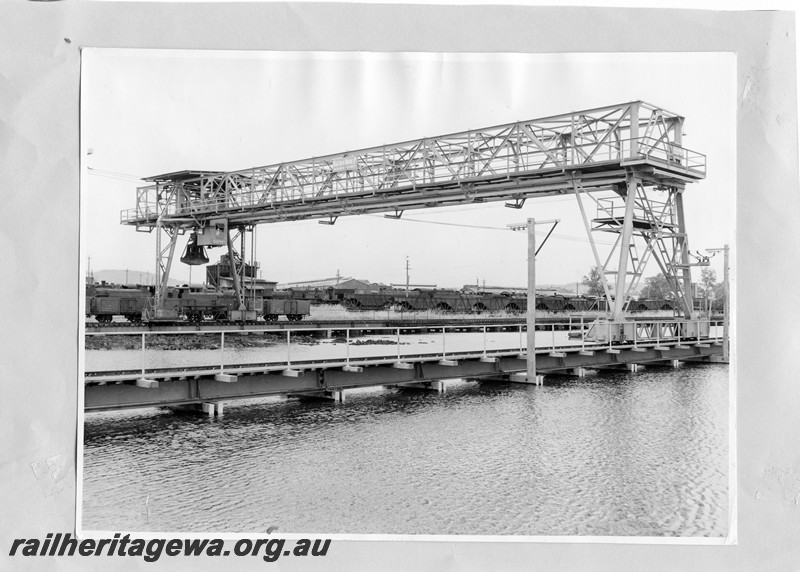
(628, 159)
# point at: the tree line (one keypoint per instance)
(656, 287)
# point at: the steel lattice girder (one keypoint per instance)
(509, 162)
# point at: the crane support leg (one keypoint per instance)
(164, 258)
(627, 233)
(242, 312)
(235, 272)
(599, 265)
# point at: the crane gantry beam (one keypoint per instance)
(624, 151)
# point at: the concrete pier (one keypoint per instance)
(522, 377)
(335, 395)
(436, 385)
(210, 408)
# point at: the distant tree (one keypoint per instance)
(708, 279)
(719, 291)
(594, 282)
(656, 288)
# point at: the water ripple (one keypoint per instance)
(611, 454)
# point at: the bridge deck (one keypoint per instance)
(184, 385)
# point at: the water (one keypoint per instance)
(616, 453)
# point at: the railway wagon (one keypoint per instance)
(429, 300)
(559, 303)
(650, 305)
(104, 301)
(456, 301)
(459, 302)
(191, 303)
(294, 310)
(328, 295)
(211, 305)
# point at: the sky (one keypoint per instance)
(147, 112)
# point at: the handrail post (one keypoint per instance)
(143, 358)
(288, 348)
(484, 341)
(553, 336)
(222, 351)
(347, 347)
(398, 344)
(443, 347)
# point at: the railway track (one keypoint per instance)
(365, 324)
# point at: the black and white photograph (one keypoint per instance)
(399, 286)
(314, 279)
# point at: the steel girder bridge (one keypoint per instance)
(627, 159)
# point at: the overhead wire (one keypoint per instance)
(481, 227)
(113, 174)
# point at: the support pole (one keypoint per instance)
(726, 317)
(143, 354)
(531, 315)
(683, 252)
(222, 351)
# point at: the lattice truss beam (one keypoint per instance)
(506, 162)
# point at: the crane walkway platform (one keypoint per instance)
(538, 157)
